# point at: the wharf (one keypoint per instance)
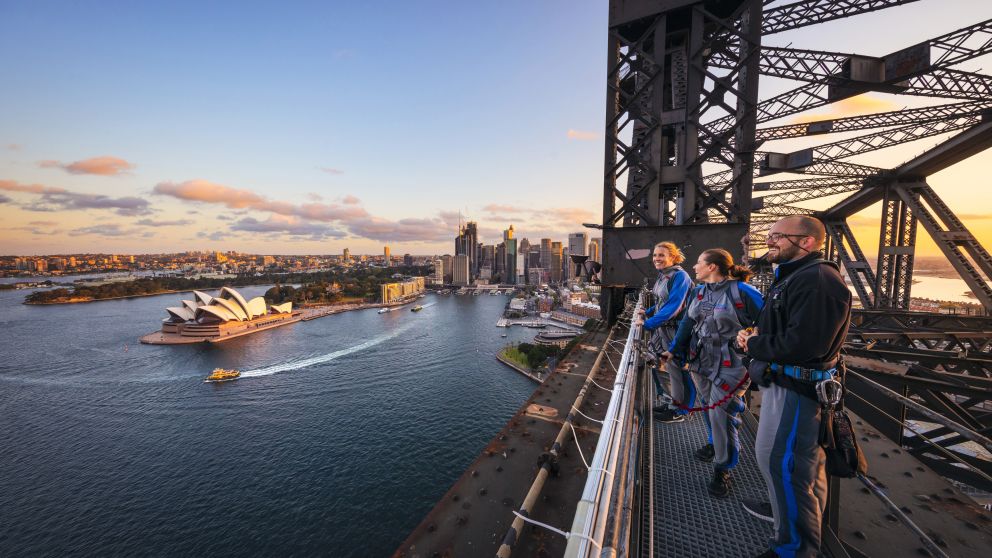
(473, 516)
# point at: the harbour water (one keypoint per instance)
(339, 437)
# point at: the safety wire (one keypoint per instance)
(565, 534)
(935, 445)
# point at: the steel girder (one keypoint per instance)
(660, 88)
(901, 117)
(811, 12)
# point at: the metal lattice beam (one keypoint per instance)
(811, 12)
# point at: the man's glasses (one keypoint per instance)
(775, 237)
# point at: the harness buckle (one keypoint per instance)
(829, 392)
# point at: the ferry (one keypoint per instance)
(222, 375)
(417, 308)
(384, 310)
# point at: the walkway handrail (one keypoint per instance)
(597, 501)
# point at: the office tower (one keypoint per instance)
(459, 273)
(555, 262)
(472, 248)
(446, 262)
(346, 257)
(596, 250)
(546, 253)
(385, 255)
(510, 265)
(578, 243)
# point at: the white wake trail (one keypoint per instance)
(296, 365)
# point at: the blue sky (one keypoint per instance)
(360, 123)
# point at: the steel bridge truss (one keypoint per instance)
(689, 144)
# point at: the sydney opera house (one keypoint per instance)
(217, 318)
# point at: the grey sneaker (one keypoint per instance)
(705, 453)
(759, 508)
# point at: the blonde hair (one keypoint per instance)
(676, 253)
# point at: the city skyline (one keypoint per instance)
(304, 143)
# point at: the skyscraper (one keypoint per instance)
(555, 262)
(385, 255)
(546, 253)
(510, 276)
(459, 275)
(596, 250)
(578, 243)
(472, 247)
(346, 256)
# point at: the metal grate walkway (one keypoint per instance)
(687, 521)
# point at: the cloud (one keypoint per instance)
(852, 106)
(14, 146)
(57, 199)
(216, 235)
(38, 231)
(330, 170)
(351, 200)
(102, 166)
(175, 223)
(497, 208)
(566, 215)
(109, 229)
(315, 197)
(287, 225)
(43, 223)
(581, 135)
(234, 198)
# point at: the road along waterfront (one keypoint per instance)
(342, 433)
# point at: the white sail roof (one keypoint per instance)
(284, 308)
(231, 305)
(256, 306)
(202, 297)
(217, 311)
(180, 313)
(229, 293)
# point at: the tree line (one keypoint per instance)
(361, 283)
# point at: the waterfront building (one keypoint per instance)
(385, 256)
(459, 271)
(437, 276)
(216, 318)
(392, 292)
(448, 262)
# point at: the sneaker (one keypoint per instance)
(705, 453)
(720, 485)
(667, 414)
(759, 508)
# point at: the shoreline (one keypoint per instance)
(517, 367)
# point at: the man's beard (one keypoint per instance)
(782, 255)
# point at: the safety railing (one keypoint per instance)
(603, 516)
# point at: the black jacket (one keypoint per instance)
(806, 323)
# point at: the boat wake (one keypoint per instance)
(320, 359)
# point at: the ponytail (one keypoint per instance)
(725, 263)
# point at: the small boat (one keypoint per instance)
(222, 375)
(384, 310)
(417, 308)
(504, 335)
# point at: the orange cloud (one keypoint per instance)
(209, 192)
(102, 166)
(581, 135)
(853, 106)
